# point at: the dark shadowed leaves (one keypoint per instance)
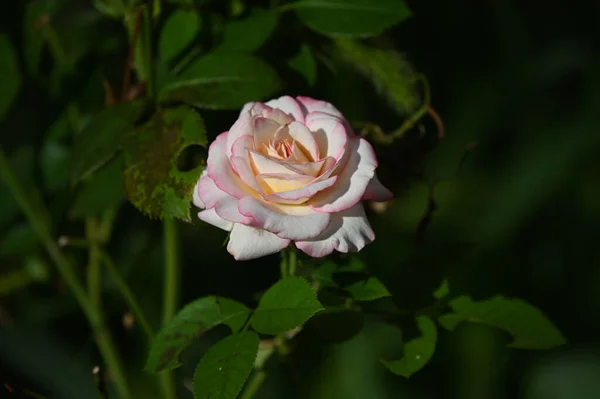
(103, 136)
(387, 70)
(284, 306)
(528, 325)
(153, 183)
(417, 352)
(179, 30)
(335, 325)
(360, 18)
(304, 63)
(10, 76)
(103, 191)
(224, 368)
(222, 81)
(194, 319)
(249, 33)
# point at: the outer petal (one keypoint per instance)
(223, 204)
(376, 191)
(196, 195)
(241, 127)
(349, 231)
(248, 242)
(352, 180)
(211, 217)
(221, 172)
(286, 225)
(311, 105)
(288, 105)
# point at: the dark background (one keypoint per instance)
(508, 202)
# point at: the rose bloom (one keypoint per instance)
(290, 170)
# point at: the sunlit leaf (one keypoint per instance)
(179, 30)
(222, 81)
(153, 182)
(192, 321)
(103, 136)
(359, 18)
(442, 291)
(417, 352)
(528, 325)
(368, 290)
(388, 71)
(248, 33)
(10, 76)
(224, 368)
(304, 63)
(284, 306)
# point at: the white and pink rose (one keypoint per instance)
(290, 170)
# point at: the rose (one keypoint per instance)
(290, 170)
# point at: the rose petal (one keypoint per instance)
(309, 105)
(375, 191)
(221, 172)
(224, 204)
(302, 194)
(288, 105)
(263, 130)
(305, 138)
(349, 231)
(245, 172)
(330, 134)
(249, 243)
(352, 182)
(196, 196)
(241, 127)
(241, 145)
(264, 164)
(211, 217)
(287, 221)
(279, 182)
(310, 168)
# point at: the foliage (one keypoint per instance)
(106, 112)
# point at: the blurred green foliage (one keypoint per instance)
(493, 160)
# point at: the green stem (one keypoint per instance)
(283, 265)
(254, 385)
(170, 291)
(103, 338)
(128, 295)
(93, 269)
(292, 262)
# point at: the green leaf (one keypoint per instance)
(286, 305)
(529, 327)
(417, 352)
(358, 18)
(192, 321)
(368, 290)
(179, 30)
(304, 63)
(153, 183)
(103, 136)
(55, 165)
(103, 191)
(222, 81)
(442, 291)
(224, 368)
(19, 240)
(249, 33)
(10, 76)
(389, 72)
